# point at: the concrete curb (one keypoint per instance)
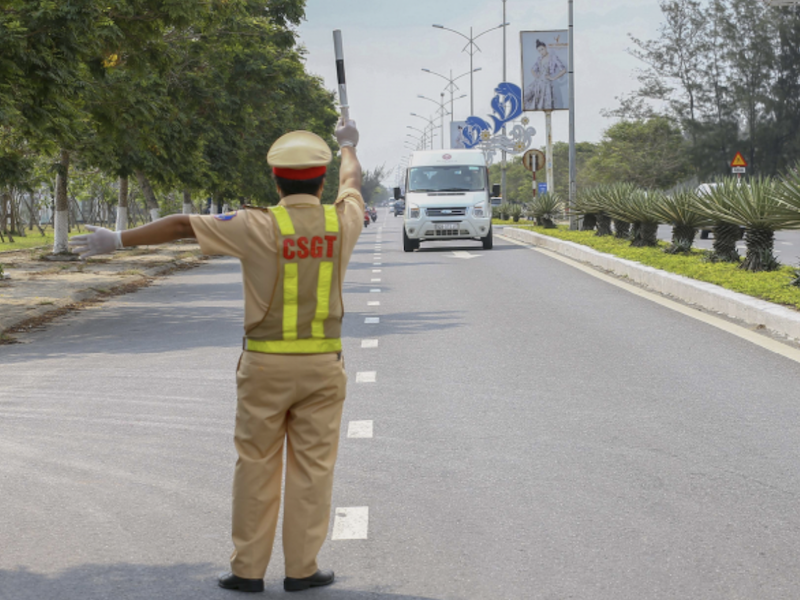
(759, 313)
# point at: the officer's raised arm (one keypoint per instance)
(350, 169)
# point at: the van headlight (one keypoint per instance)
(479, 210)
(413, 211)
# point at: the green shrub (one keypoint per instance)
(545, 209)
(515, 212)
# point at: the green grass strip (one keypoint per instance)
(774, 286)
(33, 239)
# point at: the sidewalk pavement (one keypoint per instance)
(35, 291)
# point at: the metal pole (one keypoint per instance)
(549, 159)
(451, 96)
(441, 116)
(504, 164)
(573, 166)
(471, 76)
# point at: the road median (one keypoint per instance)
(36, 291)
(757, 313)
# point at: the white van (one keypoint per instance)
(447, 198)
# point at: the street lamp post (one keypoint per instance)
(472, 48)
(431, 124)
(418, 140)
(573, 165)
(504, 163)
(442, 112)
(424, 138)
(451, 85)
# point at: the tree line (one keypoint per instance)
(166, 98)
(720, 77)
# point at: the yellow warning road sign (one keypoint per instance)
(739, 161)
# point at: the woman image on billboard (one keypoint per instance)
(542, 94)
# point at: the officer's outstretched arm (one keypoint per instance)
(105, 241)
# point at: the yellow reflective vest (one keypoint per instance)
(306, 310)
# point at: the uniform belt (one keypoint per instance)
(309, 346)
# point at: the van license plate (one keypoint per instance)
(446, 226)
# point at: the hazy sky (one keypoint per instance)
(388, 43)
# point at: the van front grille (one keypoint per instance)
(446, 212)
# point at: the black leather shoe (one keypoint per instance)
(229, 581)
(318, 579)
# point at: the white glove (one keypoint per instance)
(100, 241)
(346, 133)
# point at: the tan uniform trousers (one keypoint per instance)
(298, 399)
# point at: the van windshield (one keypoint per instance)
(447, 179)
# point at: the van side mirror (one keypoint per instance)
(496, 190)
(397, 193)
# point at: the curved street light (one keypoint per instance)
(431, 124)
(451, 84)
(472, 48)
(425, 133)
(442, 111)
(419, 140)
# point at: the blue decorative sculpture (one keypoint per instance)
(507, 106)
(473, 131)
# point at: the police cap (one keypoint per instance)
(299, 155)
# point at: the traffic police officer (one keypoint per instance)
(290, 379)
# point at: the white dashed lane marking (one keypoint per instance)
(369, 343)
(373, 303)
(360, 429)
(375, 281)
(375, 291)
(366, 377)
(376, 270)
(372, 320)
(351, 523)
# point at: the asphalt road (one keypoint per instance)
(526, 431)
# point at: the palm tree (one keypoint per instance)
(586, 207)
(598, 200)
(788, 192)
(544, 209)
(760, 208)
(630, 205)
(680, 210)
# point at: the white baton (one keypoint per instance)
(339, 49)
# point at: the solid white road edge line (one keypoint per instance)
(351, 523)
(359, 429)
(366, 376)
(726, 326)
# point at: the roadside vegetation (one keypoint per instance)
(116, 112)
(623, 220)
(775, 286)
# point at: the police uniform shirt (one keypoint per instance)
(249, 235)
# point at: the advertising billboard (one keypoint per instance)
(545, 60)
(457, 139)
